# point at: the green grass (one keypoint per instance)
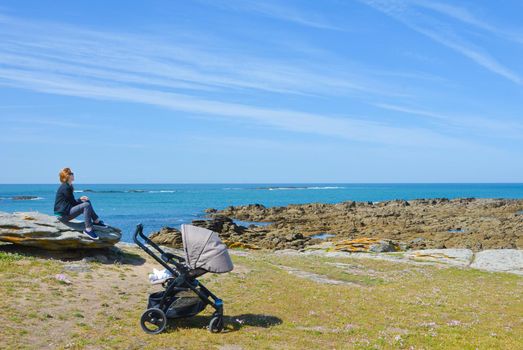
(6, 258)
(390, 306)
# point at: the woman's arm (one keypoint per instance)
(70, 197)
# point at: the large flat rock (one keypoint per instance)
(458, 257)
(500, 260)
(492, 260)
(47, 232)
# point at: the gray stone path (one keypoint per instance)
(493, 260)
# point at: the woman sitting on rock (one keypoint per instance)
(68, 208)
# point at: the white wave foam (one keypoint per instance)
(304, 188)
(326, 188)
(125, 191)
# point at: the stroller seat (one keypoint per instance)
(196, 273)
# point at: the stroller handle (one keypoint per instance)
(164, 257)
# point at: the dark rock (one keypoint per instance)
(490, 222)
(168, 236)
(418, 242)
(24, 198)
(102, 259)
(220, 224)
(367, 245)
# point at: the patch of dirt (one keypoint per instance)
(94, 292)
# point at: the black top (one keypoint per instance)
(65, 200)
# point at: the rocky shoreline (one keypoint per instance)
(467, 223)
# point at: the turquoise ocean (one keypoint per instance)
(158, 205)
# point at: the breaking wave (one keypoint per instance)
(287, 188)
(124, 191)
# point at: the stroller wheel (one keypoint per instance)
(216, 324)
(153, 321)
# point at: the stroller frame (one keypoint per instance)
(154, 319)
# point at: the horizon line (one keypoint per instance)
(276, 183)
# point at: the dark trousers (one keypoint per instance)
(85, 208)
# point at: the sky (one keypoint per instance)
(215, 91)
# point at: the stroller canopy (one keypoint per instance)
(204, 249)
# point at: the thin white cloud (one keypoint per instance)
(66, 60)
(18, 106)
(478, 124)
(464, 15)
(439, 32)
(475, 54)
(355, 129)
(46, 121)
(409, 110)
(37, 139)
(278, 11)
(459, 13)
(174, 63)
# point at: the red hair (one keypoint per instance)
(64, 175)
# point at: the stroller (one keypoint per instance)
(184, 296)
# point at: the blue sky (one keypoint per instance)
(254, 91)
